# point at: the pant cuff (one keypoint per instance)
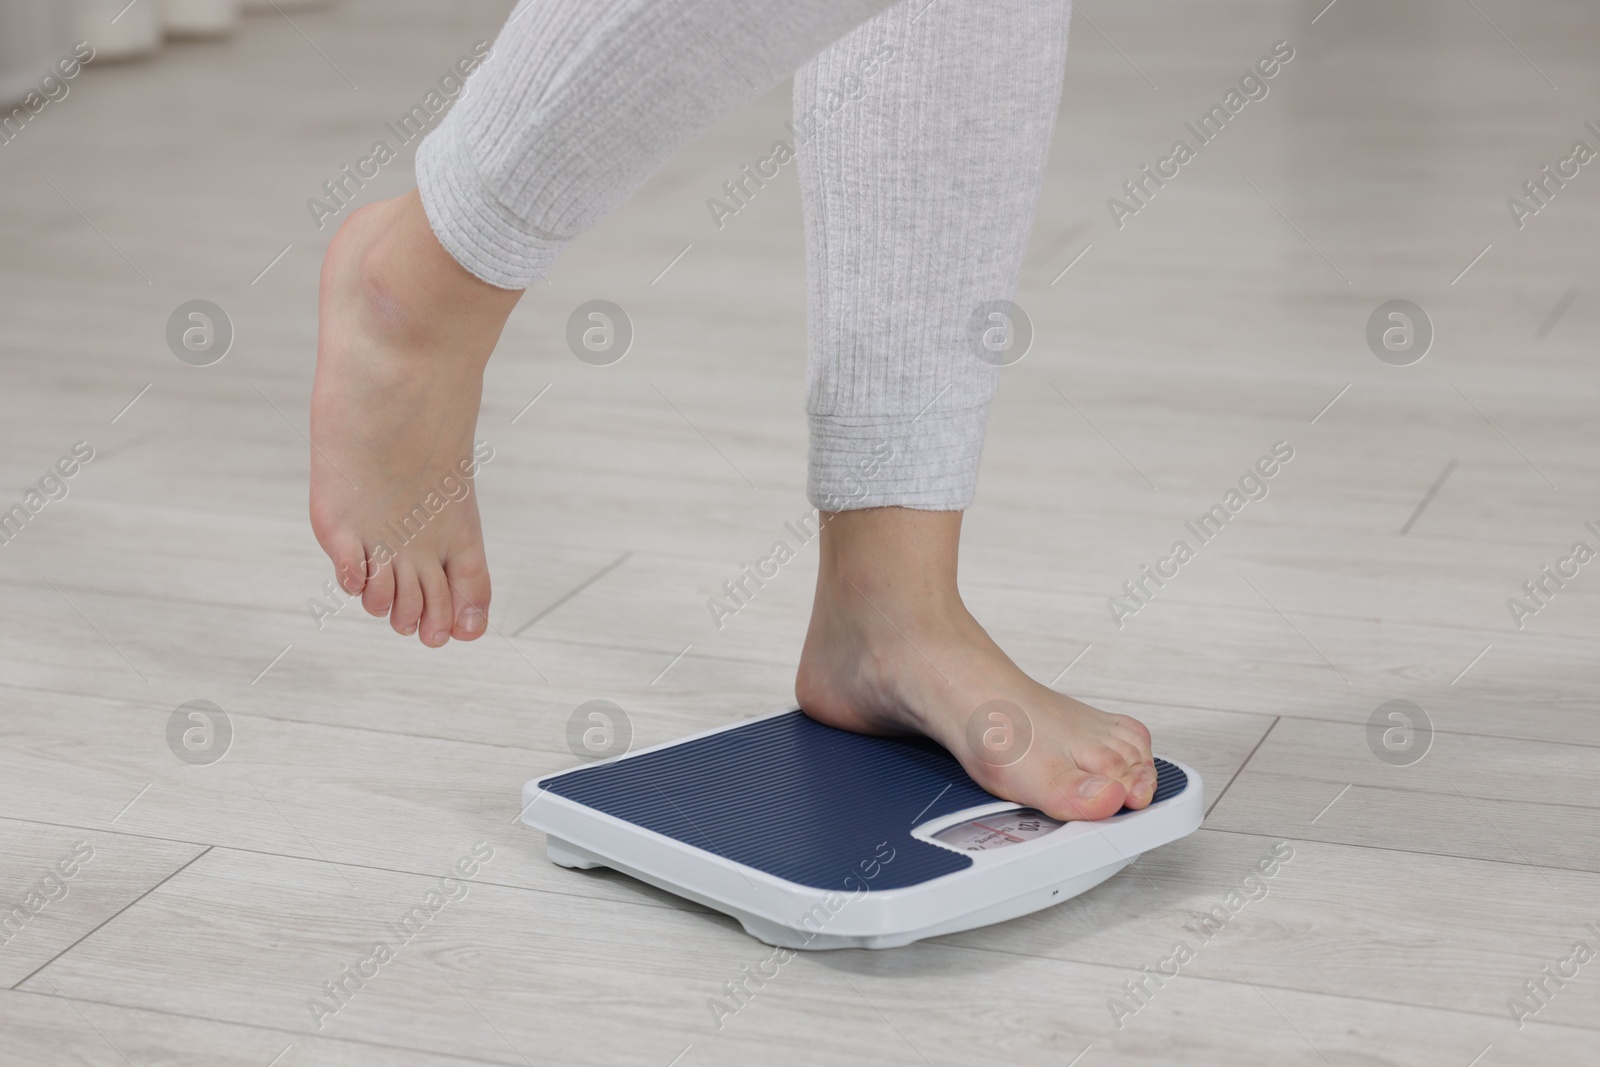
(928, 462)
(474, 227)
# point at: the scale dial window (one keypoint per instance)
(1000, 830)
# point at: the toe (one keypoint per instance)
(349, 565)
(407, 609)
(1141, 786)
(1132, 732)
(436, 617)
(1124, 763)
(1080, 794)
(1107, 756)
(1131, 739)
(468, 575)
(344, 549)
(351, 570)
(377, 594)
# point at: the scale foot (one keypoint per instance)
(567, 855)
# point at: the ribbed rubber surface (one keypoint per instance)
(1170, 781)
(799, 800)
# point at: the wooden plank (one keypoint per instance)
(505, 975)
(44, 1026)
(1527, 802)
(380, 799)
(1367, 923)
(60, 883)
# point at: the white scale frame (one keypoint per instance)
(1001, 884)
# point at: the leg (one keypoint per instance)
(578, 104)
(919, 196)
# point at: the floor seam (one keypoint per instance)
(300, 1034)
(1244, 981)
(1405, 851)
(1087, 695)
(680, 904)
(112, 916)
(1413, 791)
(1245, 763)
(931, 943)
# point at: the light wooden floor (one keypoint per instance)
(1227, 315)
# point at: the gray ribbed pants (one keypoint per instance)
(921, 130)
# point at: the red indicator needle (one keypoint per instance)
(992, 830)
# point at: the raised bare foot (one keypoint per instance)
(892, 650)
(403, 335)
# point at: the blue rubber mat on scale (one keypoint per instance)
(794, 798)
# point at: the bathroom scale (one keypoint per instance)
(817, 838)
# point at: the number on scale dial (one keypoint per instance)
(999, 830)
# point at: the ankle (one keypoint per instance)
(415, 295)
(876, 558)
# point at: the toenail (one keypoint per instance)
(1090, 788)
(472, 620)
